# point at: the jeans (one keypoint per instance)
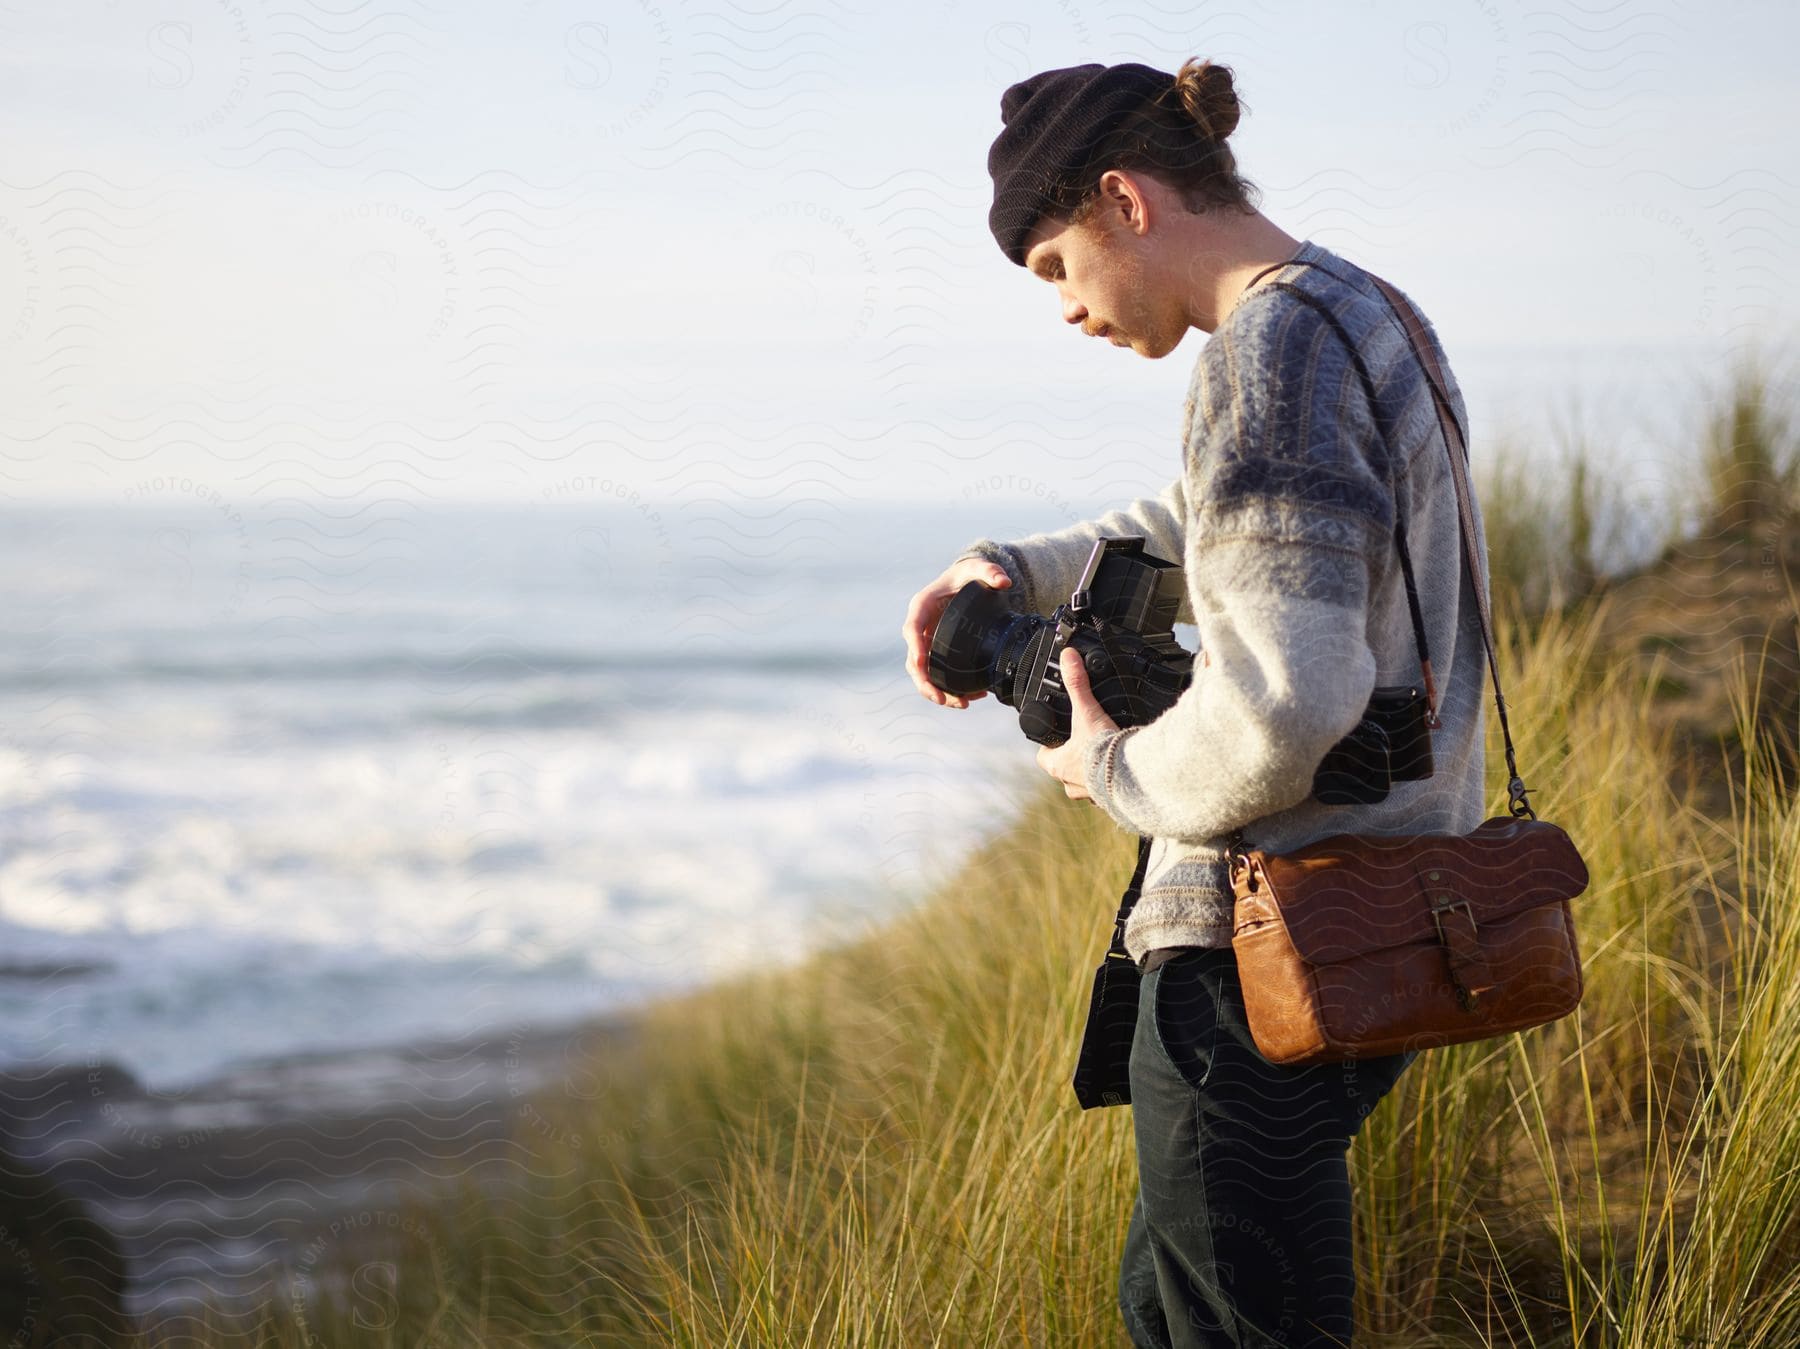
(1240, 1234)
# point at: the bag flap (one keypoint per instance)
(1350, 894)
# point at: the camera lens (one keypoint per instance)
(970, 646)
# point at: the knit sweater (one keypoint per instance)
(1283, 518)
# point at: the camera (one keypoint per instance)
(1120, 619)
(1392, 743)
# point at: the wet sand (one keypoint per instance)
(222, 1194)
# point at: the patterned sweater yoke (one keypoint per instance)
(1309, 429)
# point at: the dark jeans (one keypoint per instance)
(1240, 1235)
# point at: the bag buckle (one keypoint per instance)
(1468, 1000)
(1440, 907)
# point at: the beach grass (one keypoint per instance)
(879, 1145)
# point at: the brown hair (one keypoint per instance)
(1178, 138)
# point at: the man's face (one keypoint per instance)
(1106, 283)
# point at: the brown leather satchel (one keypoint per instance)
(1356, 945)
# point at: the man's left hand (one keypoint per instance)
(1067, 761)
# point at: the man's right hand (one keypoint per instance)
(922, 617)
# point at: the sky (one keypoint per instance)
(562, 249)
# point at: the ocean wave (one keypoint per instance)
(492, 665)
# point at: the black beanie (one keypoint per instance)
(1054, 122)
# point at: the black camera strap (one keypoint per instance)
(1413, 609)
(1103, 1066)
(1459, 475)
(1117, 951)
(1418, 622)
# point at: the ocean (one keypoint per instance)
(340, 775)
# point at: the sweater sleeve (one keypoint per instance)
(1294, 516)
(1045, 567)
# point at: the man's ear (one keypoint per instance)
(1125, 201)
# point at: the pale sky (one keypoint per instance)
(447, 251)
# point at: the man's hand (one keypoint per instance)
(922, 619)
(1087, 721)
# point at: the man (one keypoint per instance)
(1310, 428)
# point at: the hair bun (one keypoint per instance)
(1206, 91)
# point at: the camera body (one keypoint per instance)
(1392, 743)
(1121, 620)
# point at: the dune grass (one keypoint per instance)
(880, 1146)
(1581, 510)
(1748, 467)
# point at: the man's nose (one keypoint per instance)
(1073, 310)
